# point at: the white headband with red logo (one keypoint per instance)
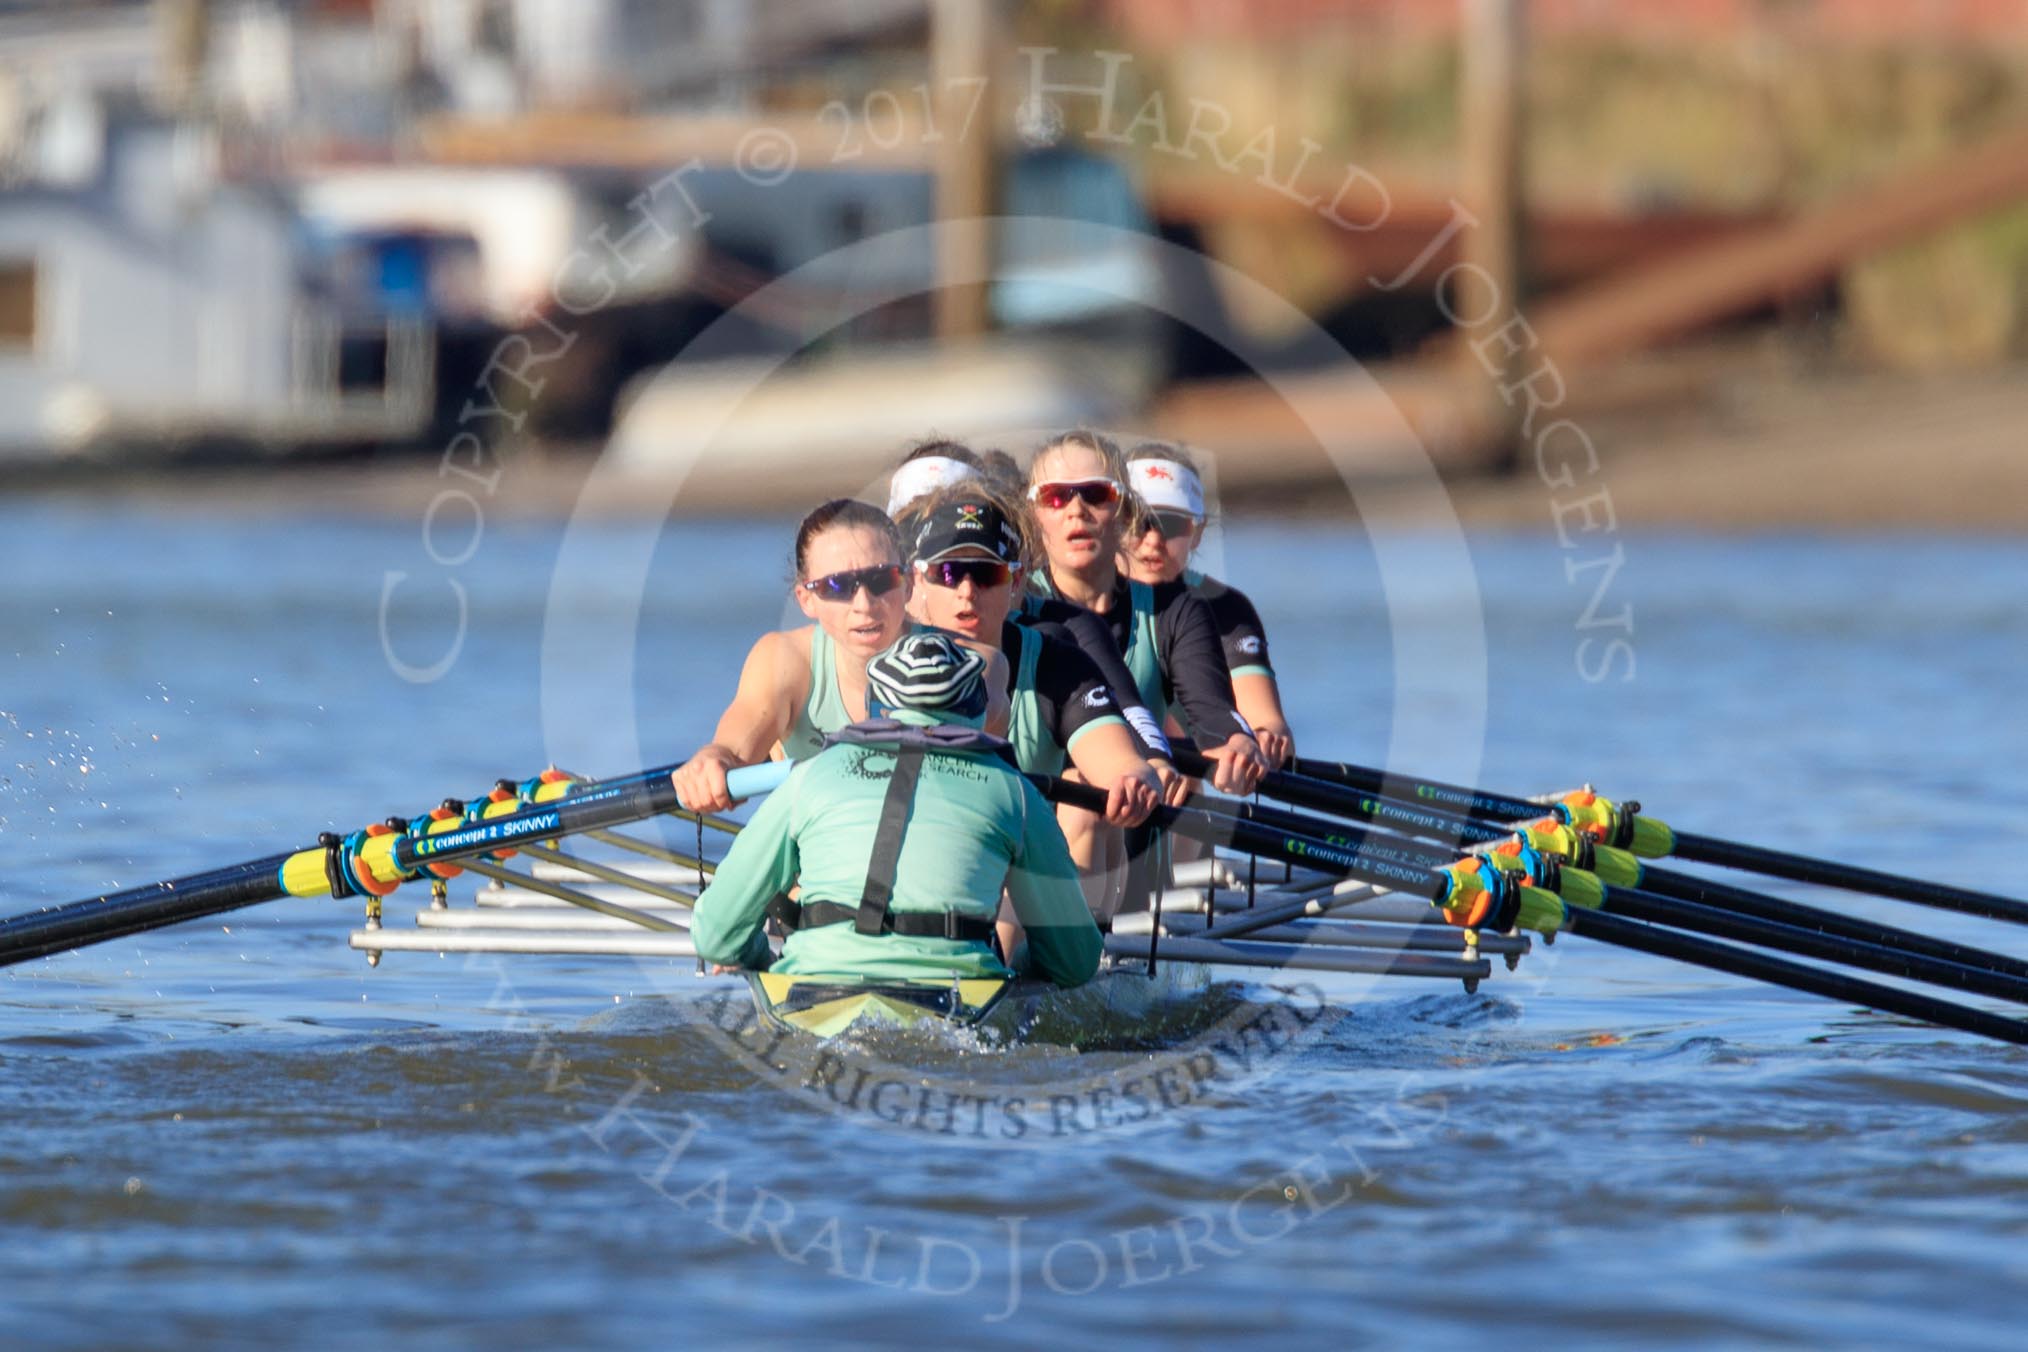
(1167, 486)
(923, 476)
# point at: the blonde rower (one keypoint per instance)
(1082, 508)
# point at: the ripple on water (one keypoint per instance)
(95, 1040)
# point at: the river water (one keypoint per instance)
(234, 1132)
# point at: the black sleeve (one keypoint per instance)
(1240, 632)
(1200, 684)
(1072, 690)
(1088, 632)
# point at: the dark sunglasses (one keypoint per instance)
(1095, 492)
(1172, 525)
(983, 573)
(878, 581)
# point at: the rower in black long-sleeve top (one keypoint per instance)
(1168, 642)
(1166, 636)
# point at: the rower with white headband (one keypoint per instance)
(1168, 483)
(929, 466)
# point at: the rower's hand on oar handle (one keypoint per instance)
(700, 781)
(1133, 796)
(1176, 786)
(1236, 765)
(1277, 743)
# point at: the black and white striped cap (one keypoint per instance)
(926, 673)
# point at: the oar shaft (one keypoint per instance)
(60, 928)
(1624, 933)
(1613, 929)
(1659, 881)
(1829, 873)
(1493, 807)
(1230, 816)
(1308, 851)
(1330, 832)
(56, 929)
(1471, 802)
(595, 806)
(1685, 915)
(1320, 795)
(1706, 892)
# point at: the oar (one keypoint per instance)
(1545, 912)
(1683, 844)
(1624, 933)
(390, 858)
(1618, 867)
(1584, 889)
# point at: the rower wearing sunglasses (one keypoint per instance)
(967, 558)
(933, 467)
(799, 684)
(900, 837)
(1168, 484)
(1165, 632)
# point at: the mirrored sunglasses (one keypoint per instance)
(983, 573)
(1095, 492)
(878, 581)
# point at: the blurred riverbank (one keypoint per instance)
(1691, 441)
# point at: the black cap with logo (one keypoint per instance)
(967, 525)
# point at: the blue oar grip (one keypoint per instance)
(749, 780)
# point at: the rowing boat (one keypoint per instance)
(1124, 1003)
(1153, 984)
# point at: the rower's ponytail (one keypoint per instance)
(843, 513)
